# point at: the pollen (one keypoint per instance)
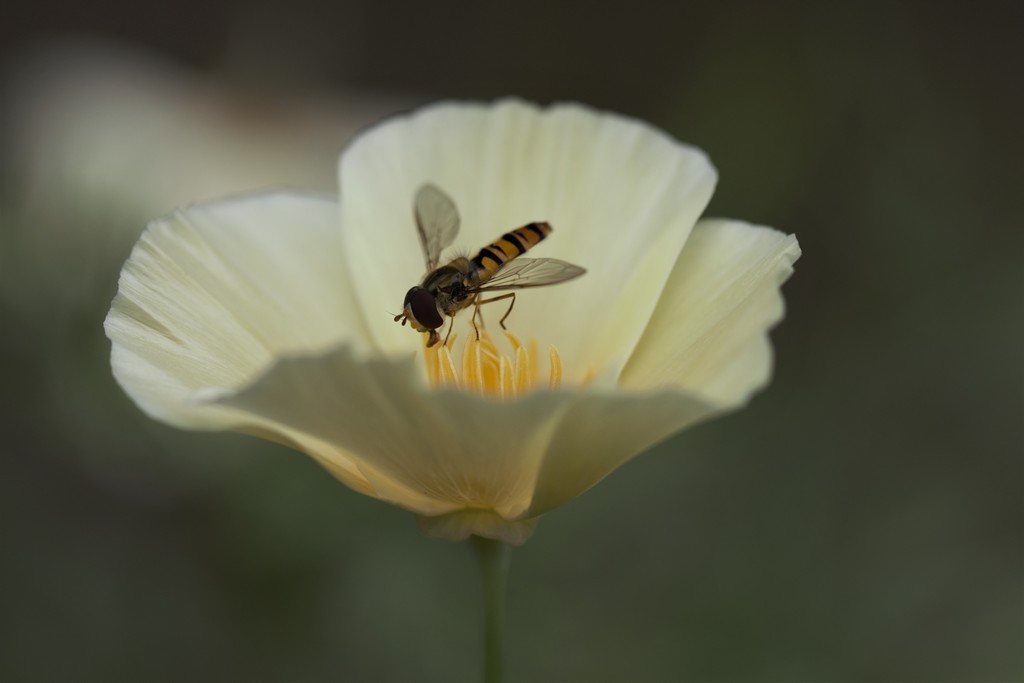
(479, 366)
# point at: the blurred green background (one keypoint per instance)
(860, 521)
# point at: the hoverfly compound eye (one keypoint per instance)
(424, 308)
(408, 296)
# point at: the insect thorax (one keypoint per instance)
(450, 285)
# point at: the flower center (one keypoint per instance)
(484, 369)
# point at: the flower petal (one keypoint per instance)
(213, 293)
(465, 464)
(599, 433)
(432, 452)
(709, 332)
(621, 196)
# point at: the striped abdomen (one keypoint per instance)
(492, 257)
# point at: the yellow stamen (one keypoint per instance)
(534, 367)
(508, 385)
(556, 367)
(484, 369)
(446, 367)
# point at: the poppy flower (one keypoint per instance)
(274, 314)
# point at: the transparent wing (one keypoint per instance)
(437, 221)
(531, 272)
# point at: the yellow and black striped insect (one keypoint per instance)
(462, 282)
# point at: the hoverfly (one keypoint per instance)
(462, 282)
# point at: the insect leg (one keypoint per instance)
(476, 314)
(510, 305)
(478, 318)
(450, 326)
(510, 295)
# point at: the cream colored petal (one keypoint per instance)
(466, 465)
(599, 433)
(621, 196)
(212, 294)
(709, 333)
(430, 452)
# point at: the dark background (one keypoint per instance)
(860, 521)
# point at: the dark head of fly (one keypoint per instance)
(422, 313)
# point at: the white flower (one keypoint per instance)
(261, 315)
(96, 139)
(81, 125)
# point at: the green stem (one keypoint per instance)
(492, 558)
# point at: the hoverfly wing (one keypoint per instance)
(437, 221)
(532, 272)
